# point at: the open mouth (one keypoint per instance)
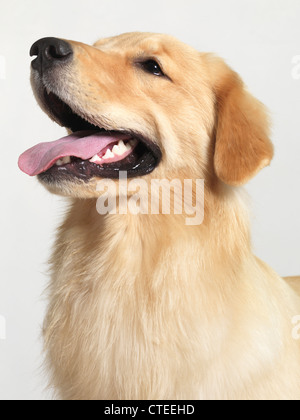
(90, 151)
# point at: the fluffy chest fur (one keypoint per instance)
(137, 312)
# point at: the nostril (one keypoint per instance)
(49, 51)
(54, 52)
(34, 50)
(58, 50)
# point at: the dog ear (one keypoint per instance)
(242, 146)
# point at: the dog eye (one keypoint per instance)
(152, 67)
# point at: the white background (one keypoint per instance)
(258, 38)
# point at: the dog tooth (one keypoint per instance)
(108, 154)
(59, 162)
(66, 159)
(95, 159)
(116, 150)
(128, 146)
(122, 146)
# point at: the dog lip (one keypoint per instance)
(139, 163)
(143, 161)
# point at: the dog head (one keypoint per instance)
(146, 104)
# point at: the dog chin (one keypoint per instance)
(72, 187)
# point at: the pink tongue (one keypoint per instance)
(82, 144)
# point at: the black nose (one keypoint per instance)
(49, 52)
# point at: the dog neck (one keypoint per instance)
(139, 244)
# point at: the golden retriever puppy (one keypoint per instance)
(154, 304)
